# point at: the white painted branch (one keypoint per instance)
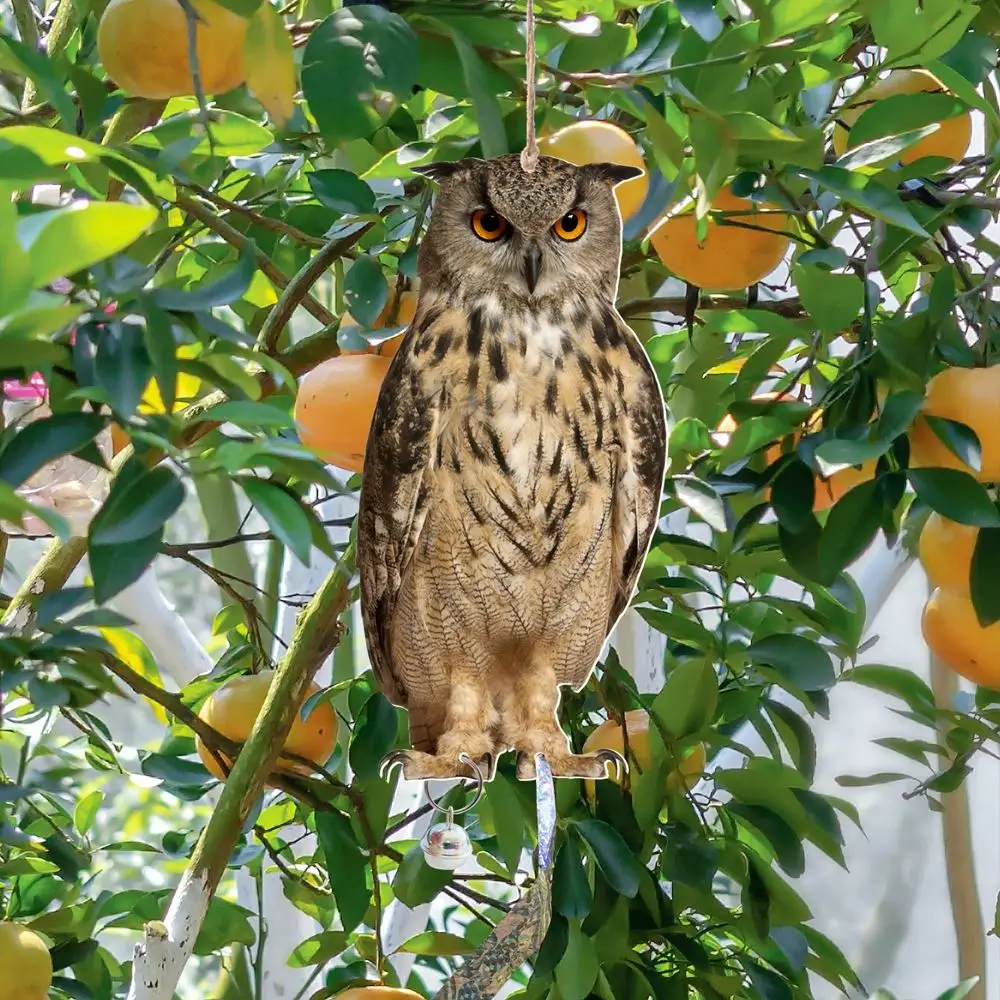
(877, 574)
(174, 647)
(286, 925)
(159, 959)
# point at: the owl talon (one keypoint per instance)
(615, 760)
(391, 760)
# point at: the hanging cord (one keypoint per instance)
(529, 155)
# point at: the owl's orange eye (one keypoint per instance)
(571, 226)
(488, 225)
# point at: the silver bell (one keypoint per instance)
(446, 846)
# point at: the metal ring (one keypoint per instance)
(480, 788)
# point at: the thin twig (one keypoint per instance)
(273, 225)
(235, 238)
(298, 289)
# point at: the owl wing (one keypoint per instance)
(401, 448)
(642, 461)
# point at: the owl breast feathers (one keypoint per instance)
(513, 473)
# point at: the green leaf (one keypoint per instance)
(121, 366)
(701, 499)
(577, 970)
(161, 351)
(437, 943)
(374, 736)
(137, 507)
(619, 866)
(962, 990)
(867, 195)
(802, 661)
(63, 241)
(247, 413)
(349, 56)
(604, 48)
(209, 294)
(492, 134)
(508, 820)
(956, 495)
(897, 113)
(318, 949)
(365, 291)
(416, 882)
(850, 528)
(44, 440)
(922, 32)
(902, 683)
(960, 440)
(571, 895)
(983, 578)
(51, 83)
(342, 191)
(283, 513)
(833, 301)
(86, 811)
(687, 703)
(346, 866)
(115, 567)
(783, 840)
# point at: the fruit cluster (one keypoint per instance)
(950, 624)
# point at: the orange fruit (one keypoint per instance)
(404, 317)
(953, 634)
(26, 964)
(601, 142)
(334, 407)
(731, 256)
(608, 736)
(945, 550)
(828, 490)
(144, 47)
(952, 138)
(234, 708)
(378, 993)
(972, 397)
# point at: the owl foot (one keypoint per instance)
(572, 765)
(419, 766)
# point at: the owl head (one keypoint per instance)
(499, 231)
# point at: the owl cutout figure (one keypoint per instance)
(513, 470)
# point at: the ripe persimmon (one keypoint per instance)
(951, 140)
(144, 47)
(334, 407)
(953, 634)
(972, 397)
(946, 549)
(601, 142)
(737, 252)
(404, 317)
(234, 708)
(26, 963)
(608, 736)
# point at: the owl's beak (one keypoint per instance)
(532, 266)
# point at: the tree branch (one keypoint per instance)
(299, 287)
(235, 238)
(160, 959)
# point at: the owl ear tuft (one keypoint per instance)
(441, 170)
(614, 173)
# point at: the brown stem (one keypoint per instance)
(959, 858)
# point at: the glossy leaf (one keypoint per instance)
(43, 440)
(346, 866)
